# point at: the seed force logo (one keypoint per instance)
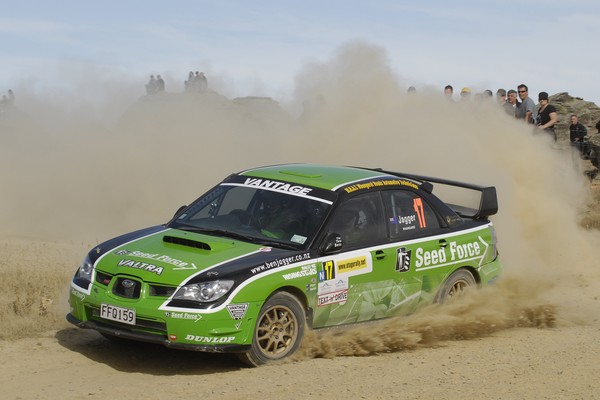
(157, 257)
(183, 315)
(451, 253)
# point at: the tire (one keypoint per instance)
(278, 331)
(454, 286)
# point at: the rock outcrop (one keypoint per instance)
(587, 111)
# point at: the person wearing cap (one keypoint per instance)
(547, 114)
(465, 93)
(527, 105)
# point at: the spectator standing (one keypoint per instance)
(548, 115)
(189, 84)
(528, 106)
(203, 82)
(501, 97)
(512, 105)
(151, 85)
(594, 151)
(465, 94)
(11, 97)
(449, 92)
(577, 131)
(160, 84)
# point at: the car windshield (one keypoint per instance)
(269, 217)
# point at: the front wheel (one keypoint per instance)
(278, 331)
(454, 286)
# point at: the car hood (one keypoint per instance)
(170, 256)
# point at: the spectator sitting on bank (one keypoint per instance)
(7, 101)
(196, 82)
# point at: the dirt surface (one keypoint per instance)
(527, 363)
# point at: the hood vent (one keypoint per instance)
(186, 242)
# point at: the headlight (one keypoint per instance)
(204, 292)
(85, 270)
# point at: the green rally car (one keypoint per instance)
(268, 252)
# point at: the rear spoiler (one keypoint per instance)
(488, 202)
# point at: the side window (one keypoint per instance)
(359, 220)
(408, 214)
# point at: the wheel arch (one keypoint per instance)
(473, 271)
(301, 296)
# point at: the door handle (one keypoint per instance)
(443, 243)
(379, 254)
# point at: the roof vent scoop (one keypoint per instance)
(186, 242)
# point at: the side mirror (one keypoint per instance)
(332, 244)
(179, 210)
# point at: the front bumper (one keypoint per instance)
(125, 333)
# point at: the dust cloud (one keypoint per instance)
(76, 170)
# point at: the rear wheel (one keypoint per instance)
(455, 285)
(278, 331)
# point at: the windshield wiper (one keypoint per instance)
(218, 232)
(272, 243)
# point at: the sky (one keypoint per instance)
(257, 48)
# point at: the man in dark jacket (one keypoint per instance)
(576, 134)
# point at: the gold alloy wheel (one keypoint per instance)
(455, 285)
(277, 331)
(458, 287)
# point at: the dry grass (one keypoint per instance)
(34, 281)
(591, 217)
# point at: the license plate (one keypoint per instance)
(119, 314)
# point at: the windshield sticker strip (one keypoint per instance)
(361, 180)
(280, 191)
